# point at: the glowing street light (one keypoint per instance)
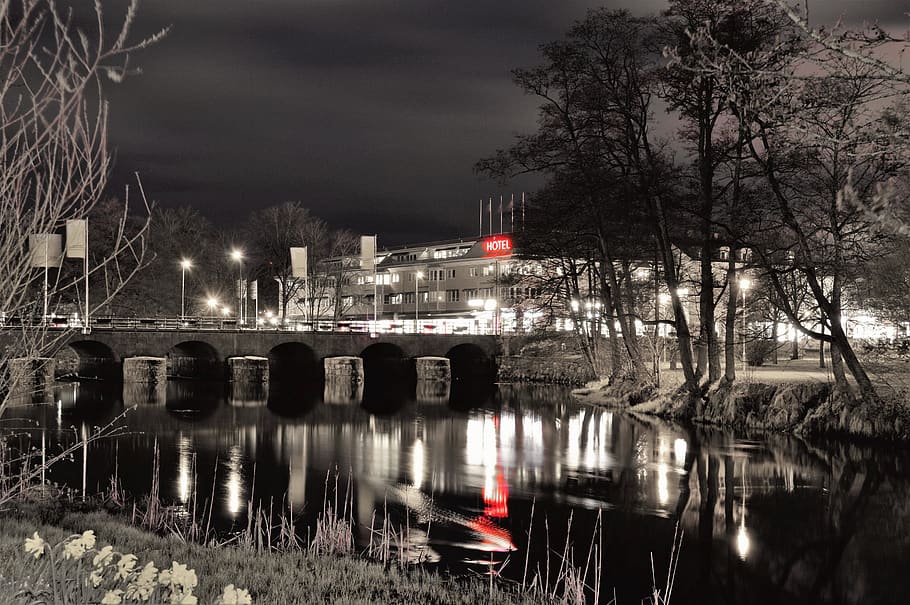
(212, 304)
(237, 256)
(184, 265)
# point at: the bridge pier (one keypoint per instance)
(433, 368)
(249, 369)
(345, 367)
(343, 379)
(144, 369)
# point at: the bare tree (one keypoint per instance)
(54, 150)
(823, 125)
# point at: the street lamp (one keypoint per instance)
(417, 277)
(184, 265)
(212, 302)
(743, 286)
(237, 255)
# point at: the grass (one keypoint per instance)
(271, 577)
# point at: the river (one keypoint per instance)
(764, 517)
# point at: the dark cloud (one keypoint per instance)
(371, 113)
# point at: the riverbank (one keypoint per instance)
(812, 407)
(545, 359)
(270, 577)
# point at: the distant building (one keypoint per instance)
(465, 281)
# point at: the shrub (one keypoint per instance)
(758, 351)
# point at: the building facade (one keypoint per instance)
(462, 285)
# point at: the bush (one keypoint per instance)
(758, 351)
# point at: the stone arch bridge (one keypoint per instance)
(291, 355)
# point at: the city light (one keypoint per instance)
(184, 265)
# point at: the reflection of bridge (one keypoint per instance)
(203, 354)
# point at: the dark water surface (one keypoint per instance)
(766, 518)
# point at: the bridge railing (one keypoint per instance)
(447, 326)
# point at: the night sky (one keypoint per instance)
(369, 112)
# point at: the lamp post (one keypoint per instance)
(237, 255)
(184, 265)
(212, 302)
(743, 286)
(417, 277)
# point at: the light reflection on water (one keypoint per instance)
(466, 481)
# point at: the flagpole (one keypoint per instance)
(86, 319)
(512, 211)
(522, 210)
(46, 253)
(500, 213)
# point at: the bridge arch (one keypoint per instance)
(388, 378)
(81, 359)
(471, 363)
(293, 362)
(194, 359)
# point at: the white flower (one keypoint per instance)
(125, 565)
(179, 576)
(88, 539)
(235, 596)
(144, 585)
(74, 549)
(35, 545)
(113, 597)
(186, 599)
(104, 555)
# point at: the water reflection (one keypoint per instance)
(144, 393)
(766, 517)
(248, 394)
(433, 391)
(186, 468)
(194, 400)
(343, 391)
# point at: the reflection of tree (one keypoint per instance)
(794, 547)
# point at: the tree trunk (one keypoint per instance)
(616, 365)
(866, 388)
(837, 367)
(707, 332)
(774, 338)
(821, 348)
(628, 337)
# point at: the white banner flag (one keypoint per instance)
(45, 249)
(299, 262)
(254, 289)
(76, 238)
(368, 252)
(237, 288)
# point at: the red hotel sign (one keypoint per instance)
(498, 245)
